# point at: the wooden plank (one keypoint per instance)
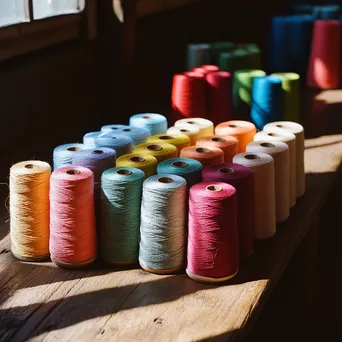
(41, 302)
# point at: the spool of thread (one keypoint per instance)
(219, 47)
(280, 153)
(234, 60)
(298, 131)
(188, 98)
(143, 161)
(63, 154)
(327, 12)
(180, 140)
(242, 90)
(137, 134)
(241, 178)
(197, 55)
(254, 56)
(212, 251)
(206, 69)
(189, 169)
(264, 192)
(325, 60)
(161, 151)
(89, 139)
(206, 127)
(290, 140)
(29, 210)
(228, 145)
(268, 100)
(162, 227)
(291, 94)
(120, 208)
(73, 240)
(191, 131)
(220, 102)
(243, 131)
(155, 123)
(206, 156)
(122, 144)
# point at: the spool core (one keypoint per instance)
(226, 170)
(137, 159)
(74, 149)
(127, 130)
(202, 150)
(281, 126)
(251, 156)
(124, 172)
(184, 130)
(154, 148)
(166, 137)
(273, 134)
(165, 180)
(191, 122)
(113, 128)
(97, 152)
(217, 139)
(233, 126)
(213, 188)
(73, 172)
(179, 164)
(266, 144)
(30, 166)
(146, 117)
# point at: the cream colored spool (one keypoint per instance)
(191, 131)
(206, 127)
(264, 191)
(280, 153)
(290, 140)
(298, 131)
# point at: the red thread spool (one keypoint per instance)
(206, 156)
(241, 178)
(324, 63)
(212, 251)
(206, 69)
(220, 98)
(72, 217)
(188, 96)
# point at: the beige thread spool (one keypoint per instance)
(298, 131)
(160, 151)
(280, 153)
(290, 140)
(206, 127)
(191, 131)
(264, 191)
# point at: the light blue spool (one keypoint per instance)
(162, 226)
(63, 154)
(267, 100)
(137, 134)
(155, 123)
(189, 169)
(120, 212)
(122, 144)
(89, 139)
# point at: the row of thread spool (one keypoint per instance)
(253, 183)
(308, 43)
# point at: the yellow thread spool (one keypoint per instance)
(30, 210)
(180, 140)
(192, 132)
(143, 161)
(161, 151)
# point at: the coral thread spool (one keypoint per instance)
(191, 131)
(219, 89)
(212, 250)
(160, 151)
(142, 161)
(243, 131)
(73, 241)
(180, 140)
(188, 97)
(241, 178)
(206, 156)
(29, 210)
(228, 144)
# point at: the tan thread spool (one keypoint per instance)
(264, 192)
(160, 151)
(143, 161)
(206, 156)
(205, 126)
(179, 140)
(191, 131)
(280, 153)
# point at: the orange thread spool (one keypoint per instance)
(206, 156)
(228, 144)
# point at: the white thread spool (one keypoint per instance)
(280, 153)
(298, 131)
(205, 126)
(290, 140)
(264, 191)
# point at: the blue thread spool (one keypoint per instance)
(189, 169)
(197, 55)
(63, 154)
(89, 139)
(137, 134)
(267, 100)
(120, 213)
(155, 123)
(122, 144)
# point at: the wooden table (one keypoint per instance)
(43, 302)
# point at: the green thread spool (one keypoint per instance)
(242, 90)
(234, 60)
(254, 55)
(120, 209)
(219, 47)
(291, 88)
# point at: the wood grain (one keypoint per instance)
(42, 302)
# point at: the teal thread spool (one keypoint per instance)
(234, 60)
(219, 47)
(197, 55)
(162, 227)
(189, 169)
(120, 208)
